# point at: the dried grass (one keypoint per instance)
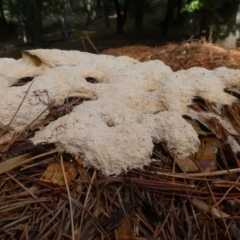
(158, 202)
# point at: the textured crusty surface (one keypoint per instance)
(132, 105)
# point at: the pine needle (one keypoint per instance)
(69, 197)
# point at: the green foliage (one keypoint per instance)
(195, 5)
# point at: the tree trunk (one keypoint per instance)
(227, 23)
(71, 3)
(90, 10)
(168, 16)
(121, 18)
(2, 16)
(98, 4)
(139, 18)
(179, 14)
(36, 24)
(125, 11)
(106, 13)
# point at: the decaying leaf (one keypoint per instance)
(187, 165)
(81, 170)
(54, 174)
(84, 176)
(206, 155)
(124, 230)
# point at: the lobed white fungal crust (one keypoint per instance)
(132, 106)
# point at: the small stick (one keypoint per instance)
(84, 45)
(92, 45)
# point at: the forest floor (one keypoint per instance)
(96, 37)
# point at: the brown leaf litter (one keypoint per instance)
(193, 53)
(163, 201)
